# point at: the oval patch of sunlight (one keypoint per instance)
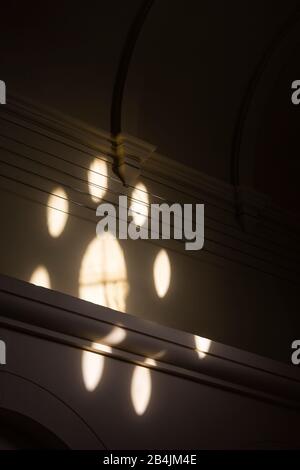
(102, 348)
(116, 336)
(92, 365)
(139, 204)
(103, 273)
(57, 212)
(141, 387)
(202, 346)
(40, 277)
(162, 273)
(97, 178)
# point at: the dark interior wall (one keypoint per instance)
(186, 82)
(206, 410)
(187, 77)
(65, 54)
(192, 71)
(240, 290)
(21, 432)
(277, 164)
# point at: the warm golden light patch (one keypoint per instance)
(40, 277)
(202, 346)
(103, 274)
(97, 178)
(92, 365)
(116, 336)
(139, 204)
(57, 212)
(162, 273)
(141, 388)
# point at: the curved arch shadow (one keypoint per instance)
(21, 432)
(287, 29)
(50, 412)
(126, 55)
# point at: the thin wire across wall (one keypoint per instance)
(87, 152)
(116, 180)
(84, 206)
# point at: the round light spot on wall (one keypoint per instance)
(102, 348)
(162, 273)
(202, 346)
(97, 178)
(57, 212)
(141, 387)
(139, 204)
(40, 277)
(103, 274)
(116, 336)
(151, 362)
(92, 365)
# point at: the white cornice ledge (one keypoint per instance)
(60, 318)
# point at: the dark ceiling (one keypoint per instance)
(187, 78)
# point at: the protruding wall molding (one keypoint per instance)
(251, 207)
(66, 320)
(248, 122)
(132, 153)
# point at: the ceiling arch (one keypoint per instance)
(189, 75)
(189, 70)
(259, 92)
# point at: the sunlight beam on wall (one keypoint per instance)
(162, 273)
(140, 204)
(141, 387)
(40, 277)
(92, 365)
(97, 178)
(57, 212)
(102, 348)
(202, 346)
(103, 274)
(116, 336)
